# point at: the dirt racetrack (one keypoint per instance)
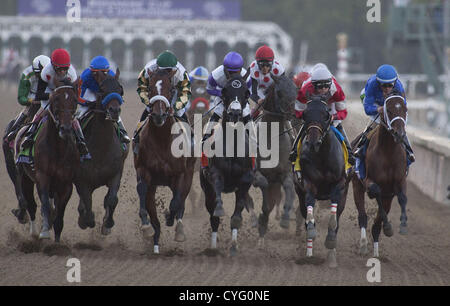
(125, 258)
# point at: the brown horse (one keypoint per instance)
(156, 165)
(55, 160)
(386, 170)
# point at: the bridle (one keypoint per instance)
(323, 132)
(52, 115)
(388, 123)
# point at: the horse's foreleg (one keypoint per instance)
(336, 197)
(358, 196)
(217, 182)
(151, 209)
(210, 206)
(402, 200)
(236, 218)
(63, 197)
(271, 195)
(21, 211)
(28, 192)
(374, 191)
(43, 186)
(142, 188)
(251, 209)
(110, 203)
(288, 186)
(86, 216)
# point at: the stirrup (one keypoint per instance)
(411, 157)
(293, 156)
(124, 138)
(298, 175)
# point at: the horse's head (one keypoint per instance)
(235, 94)
(160, 94)
(62, 107)
(317, 122)
(393, 116)
(110, 96)
(280, 96)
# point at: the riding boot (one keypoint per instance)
(123, 133)
(293, 154)
(81, 143)
(16, 126)
(409, 150)
(29, 136)
(351, 158)
(144, 116)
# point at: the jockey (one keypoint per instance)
(377, 88)
(27, 92)
(260, 72)
(180, 82)
(322, 83)
(233, 63)
(59, 69)
(199, 78)
(88, 88)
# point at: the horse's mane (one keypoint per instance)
(111, 84)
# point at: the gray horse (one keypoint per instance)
(278, 107)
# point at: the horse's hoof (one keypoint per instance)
(403, 230)
(170, 219)
(332, 262)
(81, 223)
(147, 231)
(363, 249)
(331, 241)
(156, 249)
(44, 235)
(33, 229)
(219, 212)
(311, 231)
(387, 229)
(233, 250)
(21, 215)
(179, 233)
(106, 230)
(284, 222)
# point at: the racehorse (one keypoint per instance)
(56, 159)
(108, 156)
(386, 171)
(278, 107)
(229, 173)
(199, 105)
(323, 174)
(155, 163)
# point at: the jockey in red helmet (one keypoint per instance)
(58, 69)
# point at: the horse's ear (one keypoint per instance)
(149, 73)
(117, 74)
(75, 84)
(246, 74)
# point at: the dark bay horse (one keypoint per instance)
(56, 159)
(278, 107)
(386, 171)
(108, 155)
(155, 163)
(324, 178)
(228, 173)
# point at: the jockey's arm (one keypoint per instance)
(41, 95)
(24, 90)
(142, 88)
(184, 90)
(254, 90)
(211, 87)
(370, 107)
(341, 110)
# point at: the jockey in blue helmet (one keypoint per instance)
(89, 86)
(377, 88)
